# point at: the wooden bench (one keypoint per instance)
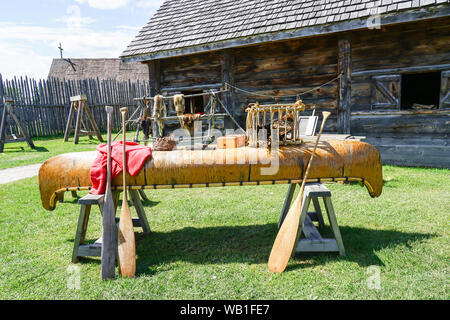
(310, 239)
(80, 249)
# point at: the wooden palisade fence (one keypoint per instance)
(43, 105)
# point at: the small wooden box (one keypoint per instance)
(230, 142)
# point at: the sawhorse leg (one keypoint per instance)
(69, 122)
(334, 225)
(140, 211)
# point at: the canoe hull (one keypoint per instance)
(334, 161)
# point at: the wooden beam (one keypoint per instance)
(215, 86)
(78, 98)
(344, 68)
(154, 70)
(395, 71)
(227, 63)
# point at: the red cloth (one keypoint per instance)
(136, 156)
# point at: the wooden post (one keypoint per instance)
(227, 63)
(79, 106)
(154, 70)
(344, 68)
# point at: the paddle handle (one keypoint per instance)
(109, 111)
(125, 169)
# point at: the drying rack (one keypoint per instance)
(212, 113)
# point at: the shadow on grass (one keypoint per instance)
(252, 245)
(20, 149)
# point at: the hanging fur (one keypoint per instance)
(180, 106)
(159, 112)
(188, 122)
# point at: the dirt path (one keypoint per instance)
(18, 173)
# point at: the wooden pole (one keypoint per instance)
(344, 68)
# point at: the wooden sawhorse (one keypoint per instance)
(313, 241)
(9, 113)
(80, 249)
(79, 104)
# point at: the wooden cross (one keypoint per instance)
(67, 60)
(79, 104)
(8, 113)
(61, 50)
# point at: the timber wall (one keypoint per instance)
(298, 66)
(404, 137)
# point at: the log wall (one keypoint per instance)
(404, 137)
(297, 66)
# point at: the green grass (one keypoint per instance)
(215, 243)
(20, 154)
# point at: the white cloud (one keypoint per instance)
(25, 44)
(74, 19)
(20, 61)
(105, 4)
(149, 6)
(28, 49)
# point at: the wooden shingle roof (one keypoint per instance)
(188, 26)
(103, 69)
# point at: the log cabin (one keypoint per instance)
(381, 67)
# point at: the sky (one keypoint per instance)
(31, 31)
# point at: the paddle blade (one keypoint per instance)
(109, 238)
(126, 244)
(286, 238)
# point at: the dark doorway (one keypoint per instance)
(420, 89)
(194, 104)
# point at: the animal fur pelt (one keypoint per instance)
(159, 112)
(180, 106)
(164, 144)
(187, 122)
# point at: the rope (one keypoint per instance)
(285, 96)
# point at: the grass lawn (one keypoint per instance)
(20, 154)
(215, 243)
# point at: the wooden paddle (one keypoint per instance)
(126, 246)
(109, 214)
(287, 235)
